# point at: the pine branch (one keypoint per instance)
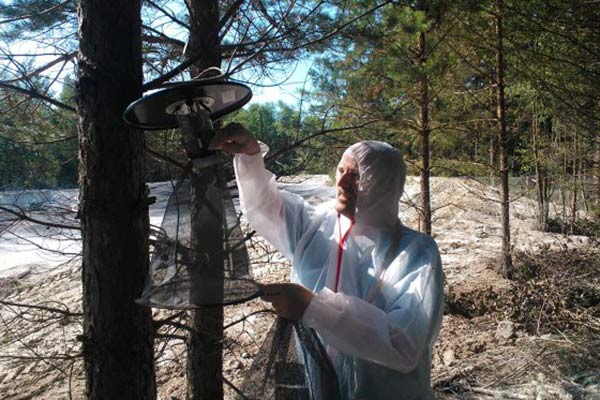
(46, 11)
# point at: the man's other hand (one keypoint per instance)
(234, 138)
(290, 300)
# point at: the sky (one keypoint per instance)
(288, 91)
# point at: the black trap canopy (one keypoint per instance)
(181, 276)
(159, 109)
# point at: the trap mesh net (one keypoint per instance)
(182, 277)
(291, 364)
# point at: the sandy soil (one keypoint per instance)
(535, 337)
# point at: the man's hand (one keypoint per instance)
(290, 300)
(234, 138)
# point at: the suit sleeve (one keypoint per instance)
(279, 216)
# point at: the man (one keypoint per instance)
(370, 287)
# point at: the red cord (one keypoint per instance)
(341, 250)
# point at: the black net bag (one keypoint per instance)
(180, 276)
(291, 364)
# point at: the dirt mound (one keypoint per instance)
(552, 290)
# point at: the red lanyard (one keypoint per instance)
(341, 250)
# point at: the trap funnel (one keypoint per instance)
(159, 109)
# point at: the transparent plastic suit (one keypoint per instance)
(381, 324)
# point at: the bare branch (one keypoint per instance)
(21, 215)
(64, 58)
(162, 38)
(192, 60)
(162, 157)
(169, 15)
(66, 312)
(319, 133)
(37, 95)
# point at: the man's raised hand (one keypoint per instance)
(234, 138)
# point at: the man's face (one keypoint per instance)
(347, 179)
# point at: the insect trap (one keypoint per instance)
(194, 233)
(292, 363)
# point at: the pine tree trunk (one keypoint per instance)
(597, 163)
(507, 267)
(540, 177)
(574, 183)
(547, 192)
(205, 343)
(118, 334)
(565, 174)
(424, 139)
(492, 150)
(597, 169)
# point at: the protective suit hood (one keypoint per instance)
(382, 176)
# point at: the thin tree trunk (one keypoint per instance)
(563, 189)
(507, 267)
(597, 163)
(205, 343)
(574, 183)
(548, 133)
(582, 185)
(539, 177)
(492, 150)
(424, 139)
(117, 333)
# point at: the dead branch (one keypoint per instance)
(37, 95)
(64, 58)
(23, 216)
(245, 317)
(66, 312)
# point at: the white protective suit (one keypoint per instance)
(381, 324)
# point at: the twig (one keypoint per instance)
(265, 310)
(37, 95)
(499, 393)
(43, 308)
(21, 214)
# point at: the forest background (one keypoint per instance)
(504, 92)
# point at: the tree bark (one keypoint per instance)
(539, 176)
(205, 343)
(491, 157)
(507, 267)
(597, 163)
(118, 333)
(424, 132)
(424, 129)
(597, 169)
(574, 182)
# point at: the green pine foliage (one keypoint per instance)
(365, 86)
